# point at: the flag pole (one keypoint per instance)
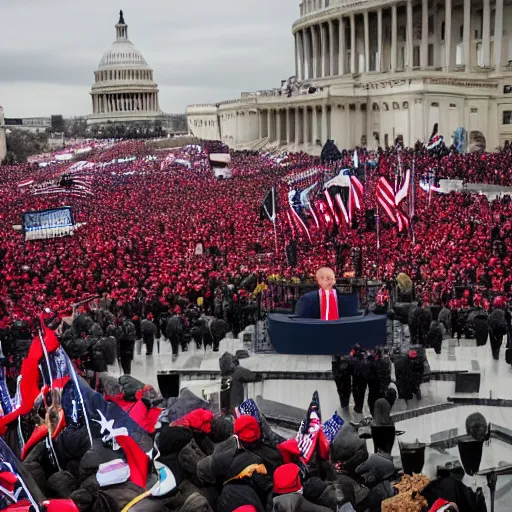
(411, 197)
(274, 212)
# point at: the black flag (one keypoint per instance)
(268, 206)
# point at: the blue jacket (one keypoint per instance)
(308, 306)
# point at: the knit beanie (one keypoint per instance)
(247, 429)
(287, 479)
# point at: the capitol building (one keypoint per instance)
(370, 71)
(124, 89)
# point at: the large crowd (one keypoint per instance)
(164, 249)
(144, 220)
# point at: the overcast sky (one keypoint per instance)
(201, 50)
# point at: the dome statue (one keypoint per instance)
(124, 89)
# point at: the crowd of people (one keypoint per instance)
(144, 221)
(162, 249)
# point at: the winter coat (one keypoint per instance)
(108, 347)
(268, 453)
(435, 337)
(348, 448)
(481, 327)
(130, 387)
(82, 324)
(239, 490)
(148, 327)
(213, 469)
(296, 503)
(454, 491)
(178, 407)
(498, 322)
(377, 473)
(445, 318)
(330, 494)
(381, 413)
(234, 378)
(174, 328)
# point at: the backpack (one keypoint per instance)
(128, 330)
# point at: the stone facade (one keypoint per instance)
(369, 71)
(124, 90)
(3, 143)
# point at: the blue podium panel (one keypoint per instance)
(293, 335)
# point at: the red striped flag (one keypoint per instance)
(386, 197)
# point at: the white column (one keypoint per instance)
(316, 52)
(297, 126)
(288, 127)
(486, 34)
(300, 50)
(278, 127)
(342, 50)
(366, 42)
(305, 127)
(296, 38)
(498, 34)
(315, 124)
(448, 34)
(352, 43)
(409, 36)
(323, 50)
(379, 41)
(260, 125)
(466, 36)
(324, 124)
(331, 48)
(424, 34)
(394, 28)
(307, 54)
(269, 125)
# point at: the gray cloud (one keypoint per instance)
(201, 51)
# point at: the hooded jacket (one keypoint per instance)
(234, 378)
(296, 503)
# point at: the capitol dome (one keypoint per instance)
(123, 53)
(124, 90)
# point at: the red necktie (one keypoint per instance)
(333, 306)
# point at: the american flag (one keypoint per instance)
(332, 426)
(247, 408)
(309, 429)
(13, 488)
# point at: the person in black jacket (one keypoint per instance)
(127, 336)
(497, 326)
(148, 330)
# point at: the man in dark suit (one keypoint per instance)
(324, 303)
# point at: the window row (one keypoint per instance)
(123, 74)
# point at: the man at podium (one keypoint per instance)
(324, 303)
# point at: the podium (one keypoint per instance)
(305, 336)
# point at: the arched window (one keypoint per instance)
(396, 106)
(405, 105)
(375, 107)
(363, 107)
(385, 107)
(434, 104)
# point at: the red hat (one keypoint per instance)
(498, 302)
(246, 508)
(247, 429)
(287, 479)
(442, 505)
